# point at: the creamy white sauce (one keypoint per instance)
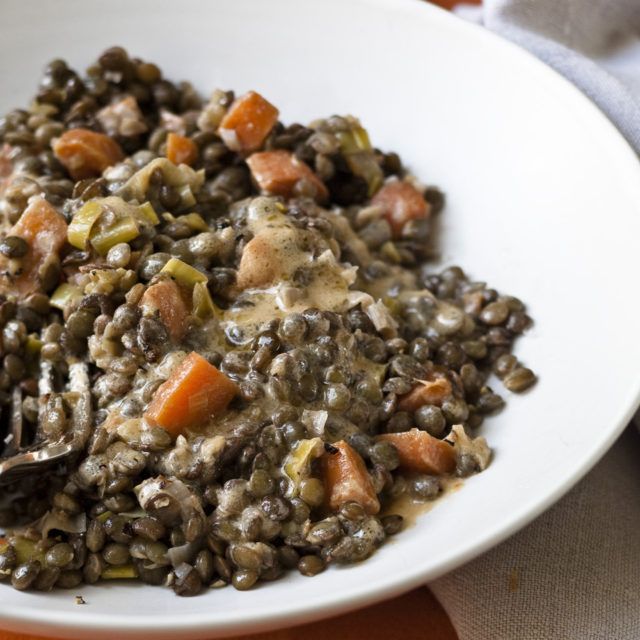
(410, 508)
(326, 280)
(329, 284)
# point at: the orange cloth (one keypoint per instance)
(415, 616)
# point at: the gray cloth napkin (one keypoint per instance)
(594, 43)
(574, 573)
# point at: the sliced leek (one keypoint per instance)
(26, 550)
(82, 223)
(123, 572)
(65, 295)
(356, 147)
(194, 221)
(183, 273)
(187, 199)
(122, 230)
(364, 164)
(354, 140)
(105, 222)
(104, 516)
(33, 345)
(147, 212)
(297, 465)
(203, 306)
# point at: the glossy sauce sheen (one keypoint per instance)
(410, 508)
(325, 284)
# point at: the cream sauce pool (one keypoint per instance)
(410, 508)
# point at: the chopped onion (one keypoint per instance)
(287, 296)
(355, 298)
(183, 553)
(477, 448)
(172, 122)
(172, 488)
(122, 118)
(54, 520)
(382, 319)
(230, 139)
(315, 421)
(377, 311)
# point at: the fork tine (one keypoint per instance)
(78, 377)
(14, 437)
(45, 389)
(47, 377)
(29, 462)
(48, 450)
(82, 411)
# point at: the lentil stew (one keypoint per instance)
(272, 357)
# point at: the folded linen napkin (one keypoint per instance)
(574, 573)
(594, 43)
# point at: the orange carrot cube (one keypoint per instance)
(194, 393)
(248, 122)
(401, 202)
(45, 231)
(181, 150)
(346, 479)
(85, 153)
(277, 172)
(426, 392)
(418, 451)
(165, 297)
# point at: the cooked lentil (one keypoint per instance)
(314, 301)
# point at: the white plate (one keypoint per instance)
(543, 202)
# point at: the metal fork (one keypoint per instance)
(47, 449)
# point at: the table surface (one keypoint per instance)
(416, 615)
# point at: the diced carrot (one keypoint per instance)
(346, 479)
(258, 264)
(421, 452)
(165, 297)
(401, 202)
(426, 392)
(45, 231)
(277, 172)
(181, 150)
(86, 153)
(248, 122)
(195, 392)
